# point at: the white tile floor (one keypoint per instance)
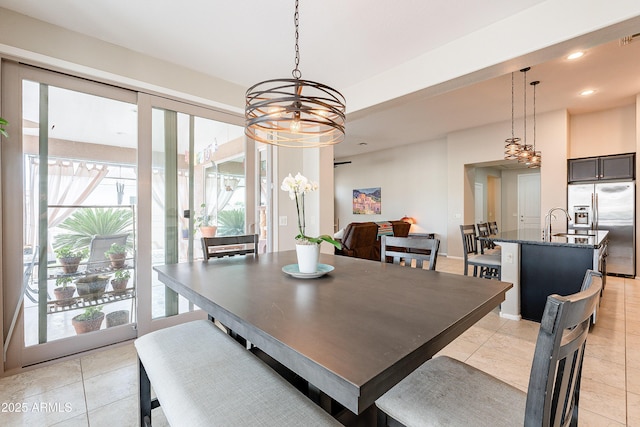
(100, 389)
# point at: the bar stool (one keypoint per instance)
(489, 264)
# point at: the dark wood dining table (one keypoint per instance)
(353, 333)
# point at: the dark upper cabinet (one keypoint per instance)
(621, 166)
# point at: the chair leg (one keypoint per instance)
(144, 390)
(382, 420)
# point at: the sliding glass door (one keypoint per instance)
(121, 180)
(70, 187)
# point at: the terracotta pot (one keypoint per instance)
(83, 326)
(116, 318)
(92, 287)
(208, 231)
(64, 295)
(117, 260)
(70, 264)
(119, 286)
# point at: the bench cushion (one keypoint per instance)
(202, 377)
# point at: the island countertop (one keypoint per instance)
(533, 236)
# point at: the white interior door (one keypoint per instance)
(479, 203)
(528, 201)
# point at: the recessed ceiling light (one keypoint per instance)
(587, 92)
(362, 143)
(575, 55)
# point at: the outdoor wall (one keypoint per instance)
(412, 179)
(604, 132)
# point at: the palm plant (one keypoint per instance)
(231, 222)
(83, 224)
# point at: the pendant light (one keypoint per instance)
(535, 161)
(512, 148)
(526, 150)
(295, 112)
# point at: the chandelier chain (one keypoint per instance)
(512, 107)
(525, 108)
(296, 18)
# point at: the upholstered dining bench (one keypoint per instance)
(203, 377)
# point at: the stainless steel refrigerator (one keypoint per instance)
(607, 206)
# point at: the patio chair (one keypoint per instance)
(98, 246)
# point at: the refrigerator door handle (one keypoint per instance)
(596, 211)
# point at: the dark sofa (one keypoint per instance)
(360, 239)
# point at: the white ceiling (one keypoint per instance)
(252, 40)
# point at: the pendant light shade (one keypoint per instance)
(293, 112)
(526, 150)
(512, 147)
(535, 161)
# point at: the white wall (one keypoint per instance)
(412, 179)
(317, 165)
(611, 131)
(61, 49)
(486, 144)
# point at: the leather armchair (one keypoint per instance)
(360, 239)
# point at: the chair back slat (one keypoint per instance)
(218, 247)
(403, 250)
(493, 227)
(469, 240)
(557, 363)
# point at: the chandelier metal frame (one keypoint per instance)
(293, 112)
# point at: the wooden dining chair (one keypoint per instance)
(445, 391)
(484, 230)
(487, 265)
(493, 227)
(218, 247)
(404, 250)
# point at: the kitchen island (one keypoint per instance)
(540, 267)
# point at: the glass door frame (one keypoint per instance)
(146, 103)
(17, 355)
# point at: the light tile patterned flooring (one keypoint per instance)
(99, 389)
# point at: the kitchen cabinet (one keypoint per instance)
(620, 166)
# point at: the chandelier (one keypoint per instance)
(293, 112)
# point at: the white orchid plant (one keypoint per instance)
(297, 187)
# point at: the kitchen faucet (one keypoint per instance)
(547, 221)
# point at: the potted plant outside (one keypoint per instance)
(116, 254)
(120, 280)
(63, 291)
(92, 286)
(3, 131)
(205, 222)
(90, 320)
(117, 318)
(69, 258)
